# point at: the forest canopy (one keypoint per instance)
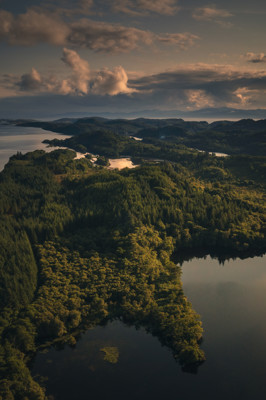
(82, 244)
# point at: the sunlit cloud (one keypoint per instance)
(111, 82)
(187, 87)
(198, 99)
(34, 27)
(213, 14)
(33, 82)
(82, 80)
(81, 72)
(106, 37)
(202, 85)
(142, 7)
(255, 58)
(245, 95)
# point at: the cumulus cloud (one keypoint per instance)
(142, 7)
(211, 14)
(81, 72)
(111, 82)
(246, 95)
(82, 80)
(198, 99)
(34, 82)
(256, 58)
(35, 27)
(187, 87)
(31, 81)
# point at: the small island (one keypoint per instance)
(111, 354)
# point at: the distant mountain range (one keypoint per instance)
(202, 114)
(208, 114)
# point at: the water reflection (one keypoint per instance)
(121, 163)
(208, 270)
(75, 372)
(231, 299)
(14, 138)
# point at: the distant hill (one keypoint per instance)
(245, 136)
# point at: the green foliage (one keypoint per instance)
(111, 354)
(241, 137)
(80, 245)
(103, 161)
(18, 270)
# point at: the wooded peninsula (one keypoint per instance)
(82, 244)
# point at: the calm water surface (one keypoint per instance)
(121, 163)
(231, 299)
(24, 139)
(14, 138)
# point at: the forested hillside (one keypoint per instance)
(231, 137)
(81, 244)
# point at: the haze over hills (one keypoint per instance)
(201, 114)
(22, 108)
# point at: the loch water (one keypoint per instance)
(231, 300)
(23, 139)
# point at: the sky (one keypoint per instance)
(99, 56)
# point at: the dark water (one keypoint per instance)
(14, 138)
(231, 299)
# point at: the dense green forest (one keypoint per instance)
(81, 244)
(231, 137)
